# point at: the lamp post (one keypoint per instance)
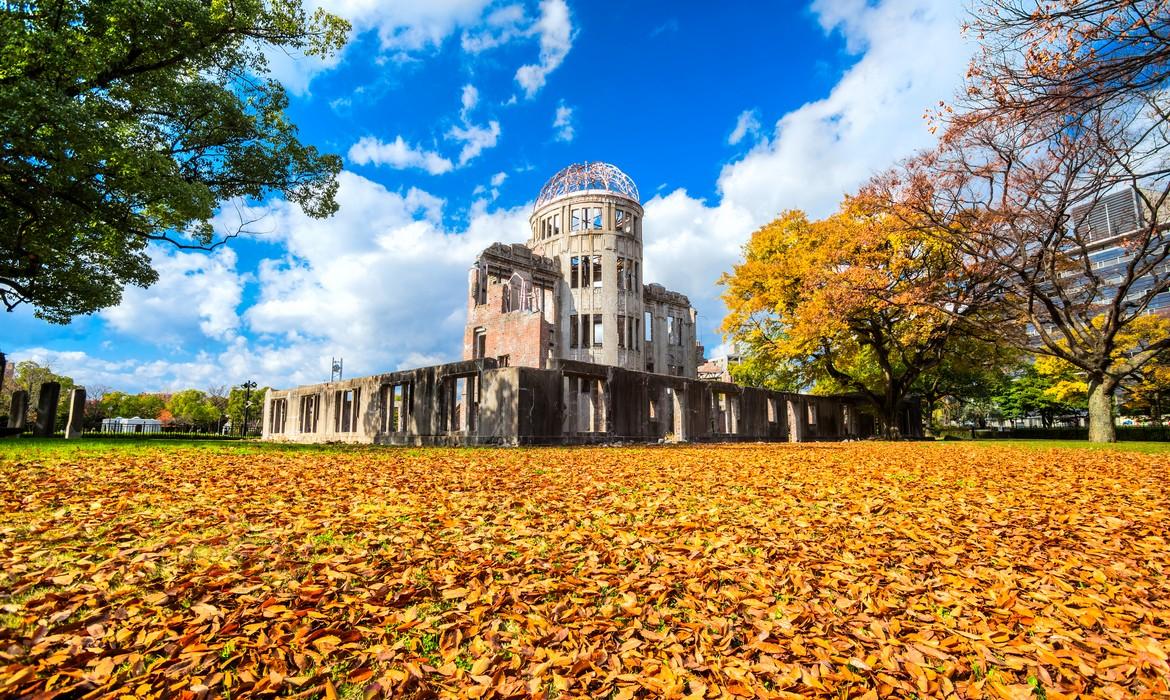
(248, 387)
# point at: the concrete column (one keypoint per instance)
(18, 409)
(681, 434)
(796, 420)
(74, 427)
(47, 409)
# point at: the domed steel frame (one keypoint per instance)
(580, 177)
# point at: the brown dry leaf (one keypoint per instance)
(711, 571)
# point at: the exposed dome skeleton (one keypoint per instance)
(583, 177)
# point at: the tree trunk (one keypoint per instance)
(1101, 428)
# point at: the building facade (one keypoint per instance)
(565, 343)
(1106, 231)
(574, 290)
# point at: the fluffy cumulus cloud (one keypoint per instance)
(500, 27)
(397, 154)
(555, 28)
(379, 281)
(197, 295)
(563, 123)
(382, 284)
(815, 154)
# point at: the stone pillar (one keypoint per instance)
(18, 410)
(47, 409)
(797, 415)
(76, 413)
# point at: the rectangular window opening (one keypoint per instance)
(308, 417)
(346, 414)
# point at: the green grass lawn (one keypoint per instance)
(1145, 447)
(56, 446)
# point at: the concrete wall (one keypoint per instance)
(478, 402)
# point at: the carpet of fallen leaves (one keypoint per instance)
(857, 570)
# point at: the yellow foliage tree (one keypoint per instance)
(1144, 380)
(857, 300)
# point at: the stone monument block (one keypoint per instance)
(18, 409)
(47, 409)
(76, 413)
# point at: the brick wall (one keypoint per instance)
(523, 336)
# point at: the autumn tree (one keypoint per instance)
(124, 123)
(851, 300)
(1065, 107)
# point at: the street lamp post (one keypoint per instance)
(248, 387)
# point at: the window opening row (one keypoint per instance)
(628, 275)
(586, 330)
(629, 333)
(585, 271)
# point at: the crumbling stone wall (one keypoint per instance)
(479, 402)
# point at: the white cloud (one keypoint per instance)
(556, 38)
(475, 139)
(197, 295)
(397, 154)
(500, 27)
(392, 284)
(748, 124)
(407, 29)
(819, 152)
(563, 123)
(469, 99)
(498, 178)
(381, 284)
(410, 26)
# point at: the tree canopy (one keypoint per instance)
(1065, 105)
(126, 122)
(851, 302)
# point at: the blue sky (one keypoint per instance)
(450, 114)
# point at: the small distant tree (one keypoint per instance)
(1033, 393)
(192, 408)
(117, 404)
(236, 403)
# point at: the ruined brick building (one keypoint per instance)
(565, 343)
(574, 291)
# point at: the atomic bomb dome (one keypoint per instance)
(565, 342)
(587, 177)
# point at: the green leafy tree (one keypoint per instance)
(125, 122)
(1032, 393)
(255, 404)
(192, 408)
(761, 371)
(117, 404)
